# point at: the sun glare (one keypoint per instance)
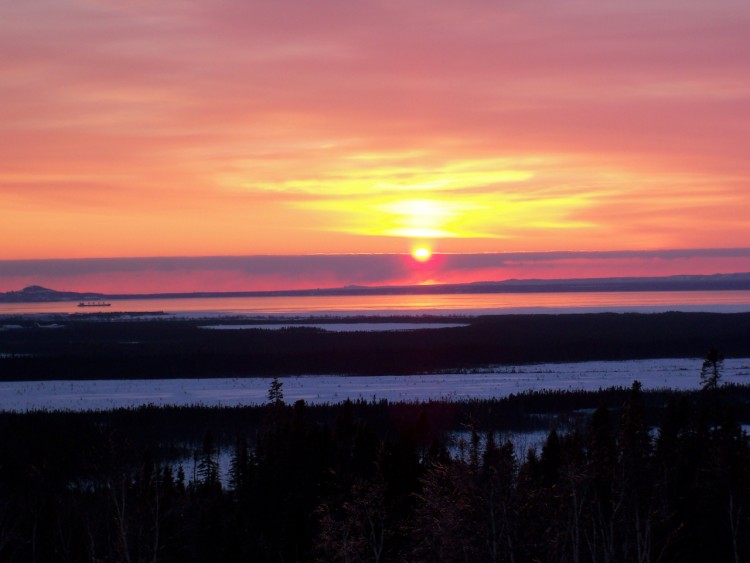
(421, 254)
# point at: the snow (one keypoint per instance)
(459, 442)
(498, 381)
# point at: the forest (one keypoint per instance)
(116, 346)
(622, 475)
(615, 475)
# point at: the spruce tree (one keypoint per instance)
(711, 370)
(239, 465)
(276, 392)
(208, 464)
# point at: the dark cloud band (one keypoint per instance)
(370, 267)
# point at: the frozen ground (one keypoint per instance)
(493, 382)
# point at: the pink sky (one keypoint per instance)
(234, 128)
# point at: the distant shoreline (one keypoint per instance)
(716, 282)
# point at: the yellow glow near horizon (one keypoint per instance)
(431, 196)
(420, 215)
(455, 216)
(428, 218)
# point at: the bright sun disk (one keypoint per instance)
(422, 254)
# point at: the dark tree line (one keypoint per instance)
(116, 348)
(653, 477)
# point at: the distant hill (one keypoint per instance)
(37, 294)
(716, 282)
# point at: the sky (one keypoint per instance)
(331, 139)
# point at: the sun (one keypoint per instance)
(422, 254)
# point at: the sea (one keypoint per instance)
(410, 305)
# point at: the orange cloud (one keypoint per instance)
(227, 128)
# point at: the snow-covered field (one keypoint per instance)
(493, 382)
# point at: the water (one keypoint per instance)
(450, 304)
